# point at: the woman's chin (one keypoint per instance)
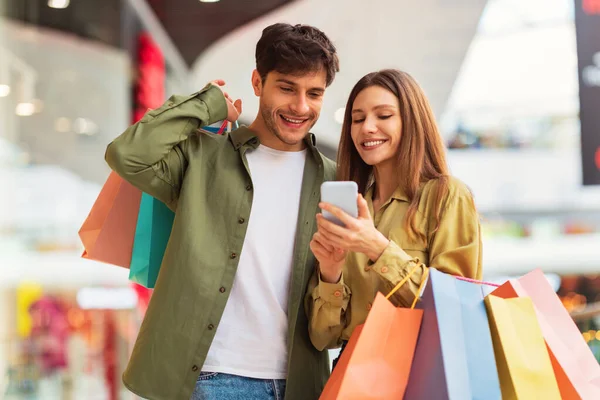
(370, 160)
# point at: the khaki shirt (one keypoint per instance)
(455, 248)
(205, 179)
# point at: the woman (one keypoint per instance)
(413, 213)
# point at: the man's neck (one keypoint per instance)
(268, 139)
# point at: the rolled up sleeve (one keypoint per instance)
(326, 305)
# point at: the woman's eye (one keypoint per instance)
(358, 120)
(384, 116)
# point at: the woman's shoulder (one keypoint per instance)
(454, 189)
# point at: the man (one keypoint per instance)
(226, 320)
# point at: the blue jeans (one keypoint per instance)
(217, 386)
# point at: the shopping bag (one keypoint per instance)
(576, 370)
(454, 357)
(523, 362)
(108, 231)
(153, 229)
(376, 361)
(154, 224)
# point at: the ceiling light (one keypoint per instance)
(25, 109)
(339, 115)
(84, 126)
(93, 298)
(25, 94)
(58, 3)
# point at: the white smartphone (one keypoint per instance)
(342, 194)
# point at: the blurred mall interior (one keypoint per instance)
(515, 85)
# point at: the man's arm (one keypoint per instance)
(152, 153)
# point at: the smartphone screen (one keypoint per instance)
(342, 194)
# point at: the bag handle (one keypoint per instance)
(225, 124)
(462, 278)
(424, 279)
(222, 128)
(405, 279)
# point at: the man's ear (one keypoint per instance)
(257, 83)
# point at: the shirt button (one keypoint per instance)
(337, 293)
(241, 220)
(384, 270)
(195, 368)
(249, 187)
(233, 256)
(222, 290)
(211, 327)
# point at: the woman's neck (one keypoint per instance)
(387, 180)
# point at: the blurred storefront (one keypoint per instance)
(67, 325)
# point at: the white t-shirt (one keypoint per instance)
(251, 339)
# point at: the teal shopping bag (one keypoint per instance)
(152, 232)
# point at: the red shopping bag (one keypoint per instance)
(575, 367)
(107, 233)
(377, 359)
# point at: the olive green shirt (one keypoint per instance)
(455, 248)
(205, 179)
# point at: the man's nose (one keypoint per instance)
(300, 105)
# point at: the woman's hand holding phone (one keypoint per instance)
(358, 235)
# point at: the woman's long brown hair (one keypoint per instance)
(421, 155)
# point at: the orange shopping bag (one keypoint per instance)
(108, 232)
(376, 361)
(575, 367)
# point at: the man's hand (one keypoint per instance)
(234, 108)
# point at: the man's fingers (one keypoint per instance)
(238, 105)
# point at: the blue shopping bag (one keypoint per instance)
(153, 229)
(454, 357)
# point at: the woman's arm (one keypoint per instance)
(455, 248)
(326, 305)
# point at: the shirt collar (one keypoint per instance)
(400, 195)
(397, 195)
(242, 136)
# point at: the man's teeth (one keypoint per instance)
(373, 143)
(293, 121)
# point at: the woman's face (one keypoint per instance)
(376, 126)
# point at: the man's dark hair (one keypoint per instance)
(292, 49)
